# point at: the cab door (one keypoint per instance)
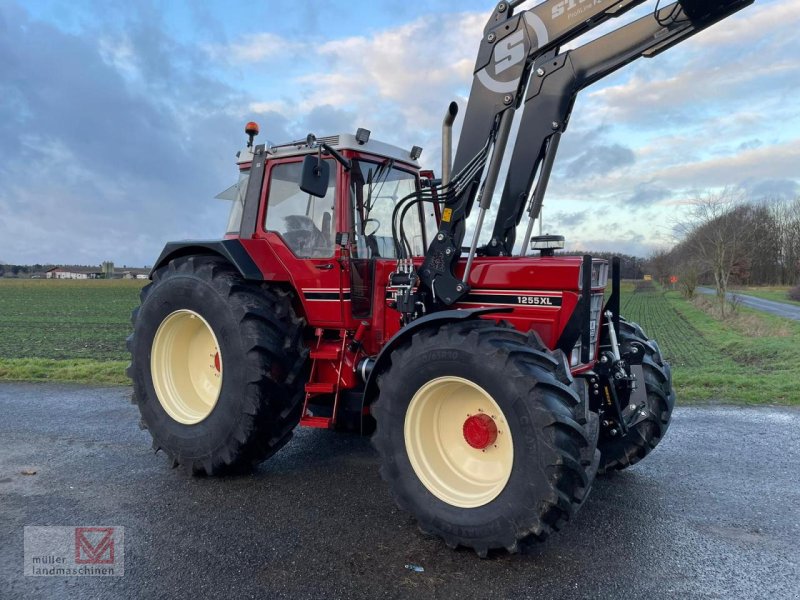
(302, 231)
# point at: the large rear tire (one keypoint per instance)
(620, 452)
(217, 366)
(480, 436)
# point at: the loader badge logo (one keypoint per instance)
(94, 545)
(509, 52)
(512, 51)
(573, 8)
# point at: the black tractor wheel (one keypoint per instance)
(217, 365)
(480, 436)
(619, 452)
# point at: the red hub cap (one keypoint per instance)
(217, 364)
(480, 431)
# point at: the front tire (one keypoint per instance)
(618, 453)
(479, 434)
(216, 364)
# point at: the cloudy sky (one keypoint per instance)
(119, 119)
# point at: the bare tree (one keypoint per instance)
(660, 264)
(720, 236)
(763, 266)
(688, 276)
(787, 222)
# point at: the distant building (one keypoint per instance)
(131, 273)
(73, 272)
(105, 271)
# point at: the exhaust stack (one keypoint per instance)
(447, 141)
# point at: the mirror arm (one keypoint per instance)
(339, 158)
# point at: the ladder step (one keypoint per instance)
(320, 388)
(319, 422)
(326, 354)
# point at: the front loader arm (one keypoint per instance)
(518, 48)
(551, 93)
(510, 45)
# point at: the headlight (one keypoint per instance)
(575, 355)
(599, 274)
(595, 309)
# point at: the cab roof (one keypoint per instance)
(342, 141)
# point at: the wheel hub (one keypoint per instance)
(480, 431)
(458, 442)
(186, 367)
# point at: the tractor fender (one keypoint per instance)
(231, 250)
(436, 319)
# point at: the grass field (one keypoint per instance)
(66, 330)
(775, 293)
(750, 358)
(76, 330)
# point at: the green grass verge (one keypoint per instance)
(749, 358)
(107, 372)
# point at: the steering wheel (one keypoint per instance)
(374, 231)
(304, 238)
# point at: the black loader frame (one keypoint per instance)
(519, 67)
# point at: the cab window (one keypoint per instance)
(304, 222)
(376, 189)
(235, 194)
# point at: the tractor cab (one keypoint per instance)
(321, 190)
(324, 209)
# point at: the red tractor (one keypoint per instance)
(497, 384)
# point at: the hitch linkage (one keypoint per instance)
(620, 376)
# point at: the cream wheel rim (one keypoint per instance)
(186, 366)
(437, 444)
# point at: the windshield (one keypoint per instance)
(375, 190)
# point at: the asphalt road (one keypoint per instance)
(714, 512)
(780, 309)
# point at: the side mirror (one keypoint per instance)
(315, 176)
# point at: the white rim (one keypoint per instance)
(186, 366)
(449, 467)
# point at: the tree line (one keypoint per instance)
(729, 240)
(630, 267)
(21, 270)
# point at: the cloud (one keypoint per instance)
(779, 161)
(118, 125)
(716, 67)
(600, 158)
(406, 74)
(589, 152)
(254, 48)
(104, 160)
(749, 27)
(569, 220)
(771, 189)
(750, 144)
(646, 194)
